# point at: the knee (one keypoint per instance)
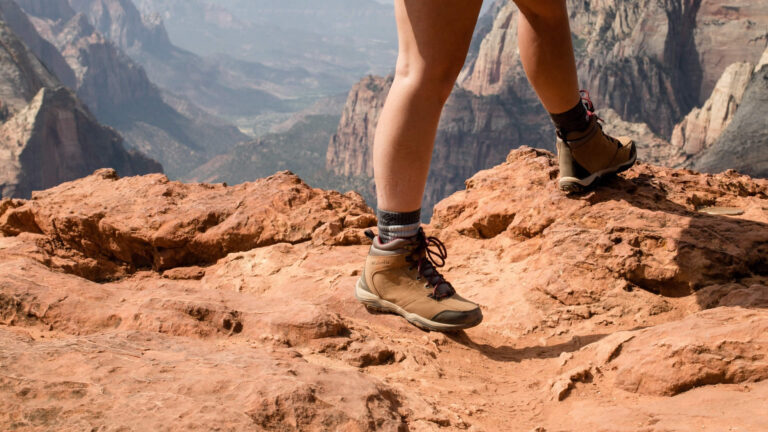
(431, 78)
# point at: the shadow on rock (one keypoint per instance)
(506, 353)
(711, 256)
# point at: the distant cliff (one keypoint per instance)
(47, 136)
(350, 149)
(19, 23)
(743, 145)
(220, 86)
(120, 94)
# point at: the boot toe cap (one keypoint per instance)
(469, 317)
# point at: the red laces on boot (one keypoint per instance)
(591, 112)
(588, 103)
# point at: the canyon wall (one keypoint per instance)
(649, 61)
(743, 145)
(118, 91)
(47, 136)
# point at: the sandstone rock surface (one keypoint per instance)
(209, 307)
(179, 225)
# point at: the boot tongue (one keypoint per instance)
(394, 245)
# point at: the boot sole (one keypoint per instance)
(377, 304)
(576, 185)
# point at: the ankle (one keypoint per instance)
(394, 225)
(575, 119)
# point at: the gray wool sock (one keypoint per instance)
(394, 225)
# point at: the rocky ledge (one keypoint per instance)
(144, 304)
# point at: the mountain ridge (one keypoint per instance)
(120, 93)
(47, 135)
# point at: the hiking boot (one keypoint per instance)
(401, 277)
(587, 155)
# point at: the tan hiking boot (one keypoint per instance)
(401, 277)
(586, 156)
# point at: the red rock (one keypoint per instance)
(721, 346)
(597, 307)
(127, 224)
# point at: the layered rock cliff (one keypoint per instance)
(120, 94)
(17, 20)
(151, 304)
(744, 143)
(47, 136)
(122, 23)
(351, 148)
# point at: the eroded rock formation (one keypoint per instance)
(702, 126)
(743, 145)
(627, 308)
(118, 91)
(47, 136)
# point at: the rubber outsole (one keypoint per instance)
(576, 185)
(375, 303)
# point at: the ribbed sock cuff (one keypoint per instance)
(573, 120)
(394, 225)
(398, 218)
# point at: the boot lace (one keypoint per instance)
(587, 101)
(429, 255)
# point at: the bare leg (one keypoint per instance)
(546, 51)
(434, 36)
